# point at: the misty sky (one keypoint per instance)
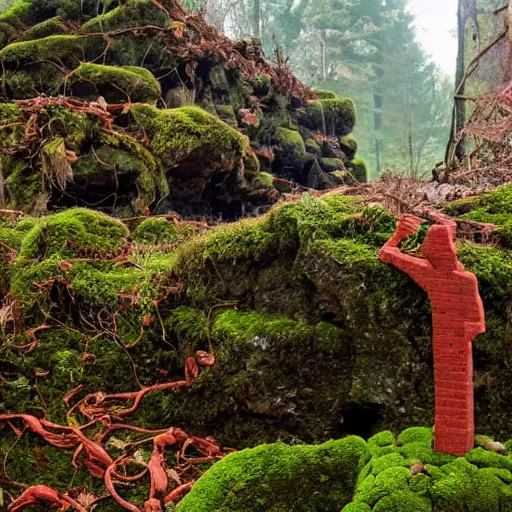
(436, 31)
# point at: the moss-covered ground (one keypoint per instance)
(384, 474)
(314, 338)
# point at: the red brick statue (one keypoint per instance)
(457, 318)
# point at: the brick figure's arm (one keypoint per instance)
(415, 268)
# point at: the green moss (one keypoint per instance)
(24, 187)
(6, 33)
(403, 501)
(9, 113)
(129, 167)
(274, 478)
(20, 85)
(328, 338)
(50, 27)
(486, 459)
(357, 507)
(450, 484)
(84, 229)
(189, 326)
(155, 231)
(331, 164)
(416, 435)
(115, 84)
(190, 132)
(348, 145)
(134, 13)
(493, 207)
(62, 49)
(359, 169)
(292, 150)
(261, 85)
(18, 14)
(266, 179)
(334, 116)
(385, 438)
(325, 95)
(226, 114)
(313, 147)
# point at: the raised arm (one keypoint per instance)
(415, 268)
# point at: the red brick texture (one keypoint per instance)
(457, 318)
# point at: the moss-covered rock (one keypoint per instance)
(277, 477)
(61, 49)
(115, 84)
(313, 147)
(50, 27)
(359, 169)
(183, 137)
(64, 234)
(348, 145)
(155, 231)
(325, 95)
(131, 14)
(331, 164)
(331, 116)
(290, 152)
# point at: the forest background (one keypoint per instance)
(366, 50)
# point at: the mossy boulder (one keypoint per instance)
(277, 477)
(331, 164)
(131, 14)
(348, 145)
(335, 117)
(290, 152)
(154, 231)
(359, 169)
(115, 84)
(318, 177)
(61, 49)
(50, 27)
(190, 142)
(62, 234)
(493, 208)
(313, 147)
